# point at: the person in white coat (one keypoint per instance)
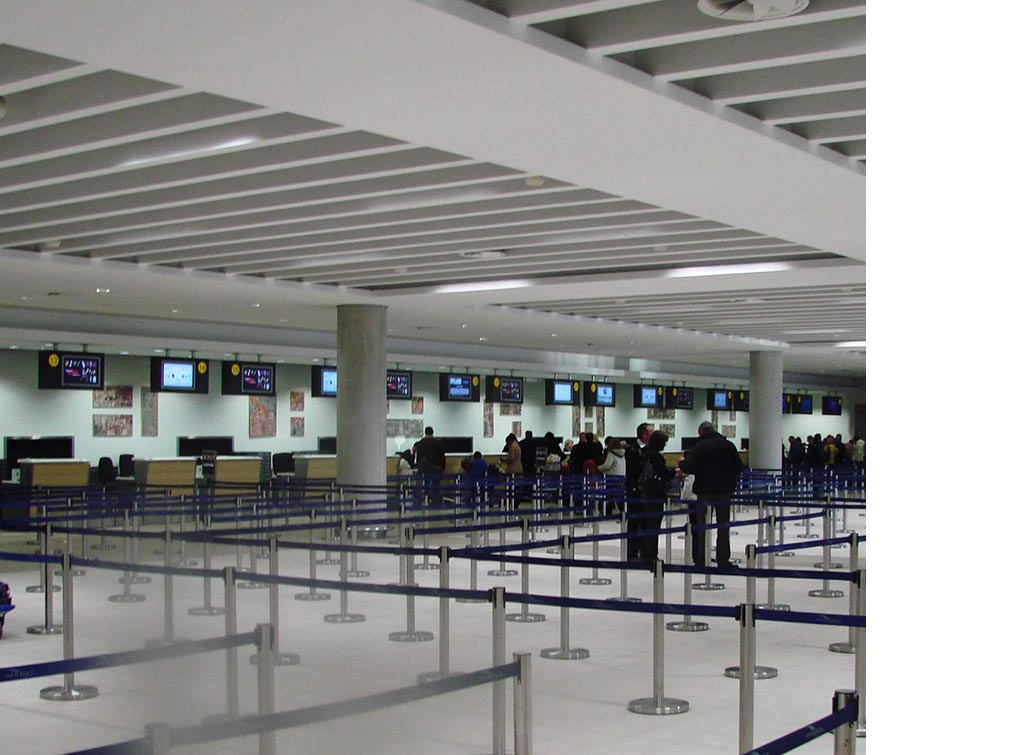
(614, 469)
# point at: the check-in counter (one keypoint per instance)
(176, 474)
(237, 470)
(315, 467)
(54, 473)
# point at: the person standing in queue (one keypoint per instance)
(654, 480)
(634, 462)
(430, 463)
(716, 466)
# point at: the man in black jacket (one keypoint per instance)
(716, 466)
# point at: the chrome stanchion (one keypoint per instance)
(343, 616)
(266, 658)
(472, 564)
(594, 579)
(231, 654)
(69, 691)
(45, 585)
(707, 584)
(502, 570)
(134, 545)
(686, 625)
(850, 645)
(826, 565)
(771, 604)
(522, 706)
(524, 615)
(355, 571)
(328, 559)
(183, 559)
(168, 637)
(623, 545)
(745, 614)
(126, 595)
(845, 737)
(564, 652)
(860, 667)
(806, 534)
(312, 594)
(280, 658)
(426, 565)
(410, 634)
(782, 536)
(498, 653)
(444, 626)
(47, 627)
(207, 608)
(658, 704)
(759, 672)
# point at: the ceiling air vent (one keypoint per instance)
(751, 10)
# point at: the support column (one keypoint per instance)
(362, 376)
(765, 409)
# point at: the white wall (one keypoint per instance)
(26, 410)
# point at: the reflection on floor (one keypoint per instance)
(578, 706)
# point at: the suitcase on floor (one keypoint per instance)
(5, 604)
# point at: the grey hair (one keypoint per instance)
(706, 426)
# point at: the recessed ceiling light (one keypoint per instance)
(26, 298)
(488, 254)
(282, 319)
(462, 288)
(174, 311)
(465, 325)
(483, 338)
(256, 305)
(534, 182)
(102, 290)
(13, 347)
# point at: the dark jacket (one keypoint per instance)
(715, 464)
(657, 485)
(430, 454)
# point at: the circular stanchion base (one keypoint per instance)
(414, 636)
(328, 561)
(344, 618)
(470, 600)
(595, 581)
(431, 567)
(525, 618)
(252, 585)
(104, 547)
(687, 626)
(69, 694)
(435, 676)
(359, 573)
(43, 629)
(133, 597)
(206, 611)
(760, 672)
(572, 654)
(773, 606)
(40, 588)
(313, 596)
(842, 647)
(280, 659)
(709, 586)
(502, 573)
(650, 706)
(136, 580)
(826, 593)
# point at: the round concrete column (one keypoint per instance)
(765, 409)
(362, 377)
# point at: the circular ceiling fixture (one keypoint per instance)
(490, 254)
(751, 10)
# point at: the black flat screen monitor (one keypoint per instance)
(327, 444)
(561, 392)
(324, 381)
(648, 396)
(503, 389)
(457, 445)
(247, 379)
(399, 384)
(52, 447)
(459, 387)
(687, 443)
(61, 370)
(744, 444)
(678, 397)
(801, 404)
(719, 399)
(176, 375)
(191, 445)
(741, 401)
(599, 394)
(832, 405)
(785, 403)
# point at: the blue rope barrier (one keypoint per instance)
(33, 558)
(791, 741)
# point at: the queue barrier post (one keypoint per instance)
(522, 706)
(502, 570)
(355, 571)
(47, 627)
(498, 652)
(845, 741)
(410, 634)
(134, 540)
(563, 652)
(759, 672)
(444, 624)
(207, 608)
(343, 616)
(705, 533)
(771, 604)
(45, 536)
(860, 665)
(473, 543)
(69, 691)
(266, 655)
(594, 578)
(658, 704)
(850, 646)
(745, 615)
(312, 594)
(158, 738)
(280, 658)
(168, 635)
(687, 625)
(524, 615)
(825, 591)
(126, 595)
(623, 555)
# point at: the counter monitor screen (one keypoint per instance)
(324, 381)
(647, 397)
(399, 384)
(559, 392)
(177, 376)
(832, 405)
(719, 399)
(504, 390)
(257, 379)
(802, 404)
(678, 398)
(605, 394)
(459, 387)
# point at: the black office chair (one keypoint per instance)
(106, 472)
(126, 465)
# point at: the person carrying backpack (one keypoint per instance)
(652, 486)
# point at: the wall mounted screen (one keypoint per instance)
(561, 392)
(678, 397)
(178, 375)
(59, 370)
(459, 387)
(504, 390)
(599, 394)
(248, 379)
(648, 396)
(324, 381)
(832, 405)
(719, 399)
(399, 384)
(801, 404)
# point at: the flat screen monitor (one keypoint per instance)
(327, 444)
(744, 444)
(741, 401)
(561, 392)
(503, 389)
(459, 387)
(61, 370)
(801, 404)
(52, 447)
(177, 375)
(457, 445)
(399, 384)
(648, 396)
(191, 445)
(785, 403)
(832, 405)
(678, 397)
(324, 381)
(248, 379)
(719, 399)
(599, 394)
(687, 443)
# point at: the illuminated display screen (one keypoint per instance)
(78, 371)
(256, 379)
(562, 393)
(605, 395)
(399, 384)
(177, 375)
